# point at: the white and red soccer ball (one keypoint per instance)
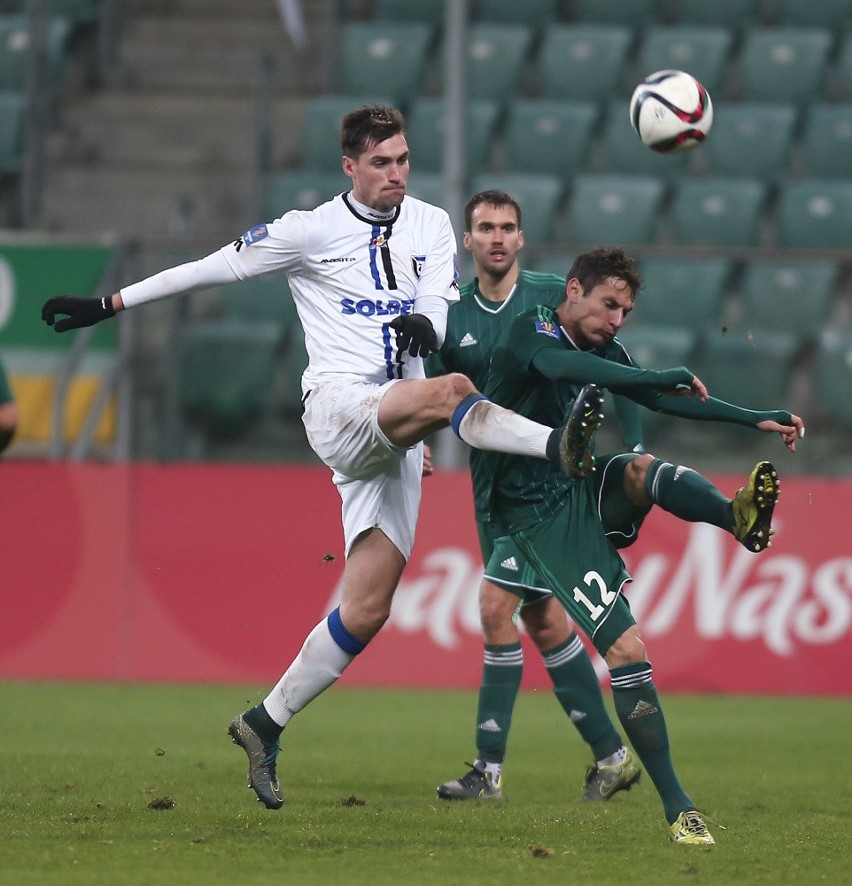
(671, 111)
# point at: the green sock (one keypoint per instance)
(501, 680)
(641, 716)
(576, 686)
(688, 495)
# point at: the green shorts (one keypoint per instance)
(570, 550)
(621, 520)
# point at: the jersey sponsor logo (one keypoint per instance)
(467, 340)
(379, 307)
(331, 261)
(378, 242)
(547, 328)
(417, 262)
(252, 235)
(510, 563)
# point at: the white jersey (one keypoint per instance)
(350, 276)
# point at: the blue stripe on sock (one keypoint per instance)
(349, 644)
(462, 410)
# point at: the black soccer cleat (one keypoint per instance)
(261, 755)
(568, 445)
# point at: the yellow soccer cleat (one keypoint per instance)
(753, 506)
(689, 828)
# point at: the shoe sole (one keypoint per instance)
(456, 797)
(618, 787)
(583, 421)
(766, 489)
(272, 802)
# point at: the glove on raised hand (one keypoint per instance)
(81, 311)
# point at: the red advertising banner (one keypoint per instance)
(216, 573)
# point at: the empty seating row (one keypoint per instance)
(596, 61)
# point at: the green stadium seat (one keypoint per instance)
(788, 296)
(615, 209)
(623, 150)
(319, 138)
(751, 139)
(227, 374)
(583, 62)
(427, 186)
(531, 12)
(549, 135)
(717, 211)
(833, 378)
(264, 299)
(393, 54)
(538, 195)
(687, 291)
(826, 141)
(783, 64)
(425, 132)
(727, 13)
(292, 365)
(496, 59)
(634, 14)
(429, 11)
(14, 50)
(701, 50)
(658, 346)
(752, 370)
(843, 68)
(11, 132)
(834, 14)
(548, 263)
(815, 214)
(300, 189)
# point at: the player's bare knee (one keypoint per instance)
(627, 649)
(634, 478)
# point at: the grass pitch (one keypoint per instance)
(106, 784)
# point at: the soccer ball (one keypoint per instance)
(671, 111)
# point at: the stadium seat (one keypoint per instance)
(428, 186)
(623, 150)
(531, 12)
(300, 189)
(788, 296)
(227, 374)
(549, 135)
(425, 132)
(615, 209)
(783, 64)
(264, 299)
(752, 370)
(658, 346)
(750, 139)
(392, 54)
(826, 141)
(14, 50)
(686, 291)
(717, 211)
(634, 14)
(292, 364)
(703, 51)
(815, 214)
(496, 59)
(727, 13)
(538, 195)
(843, 68)
(833, 378)
(834, 14)
(319, 138)
(548, 263)
(11, 132)
(583, 62)
(428, 11)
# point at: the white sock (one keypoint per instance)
(489, 426)
(614, 759)
(320, 663)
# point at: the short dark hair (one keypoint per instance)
(593, 267)
(491, 198)
(367, 126)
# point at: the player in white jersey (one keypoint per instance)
(372, 275)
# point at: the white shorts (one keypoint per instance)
(378, 482)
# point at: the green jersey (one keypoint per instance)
(474, 326)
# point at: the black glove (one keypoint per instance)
(81, 311)
(415, 334)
